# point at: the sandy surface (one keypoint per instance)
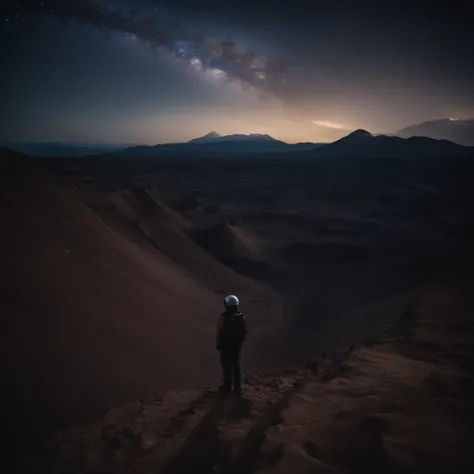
(95, 314)
(398, 403)
(115, 269)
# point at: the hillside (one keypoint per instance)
(105, 301)
(399, 402)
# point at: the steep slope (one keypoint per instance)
(225, 242)
(93, 312)
(140, 216)
(236, 248)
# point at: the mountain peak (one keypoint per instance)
(360, 133)
(358, 136)
(212, 136)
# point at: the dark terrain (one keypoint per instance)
(116, 267)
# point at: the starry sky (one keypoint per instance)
(156, 71)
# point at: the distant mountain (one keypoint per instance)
(359, 143)
(458, 131)
(365, 145)
(214, 137)
(65, 150)
(214, 144)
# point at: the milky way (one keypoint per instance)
(232, 61)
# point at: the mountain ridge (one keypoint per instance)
(459, 131)
(362, 143)
(213, 143)
(359, 142)
(213, 137)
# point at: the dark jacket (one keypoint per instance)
(231, 329)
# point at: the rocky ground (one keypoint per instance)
(400, 402)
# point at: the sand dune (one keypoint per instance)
(94, 315)
(136, 202)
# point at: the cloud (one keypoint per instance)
(328, 124)
(236, 63)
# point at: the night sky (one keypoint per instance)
(123, 71)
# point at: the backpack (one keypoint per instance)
(234, 328)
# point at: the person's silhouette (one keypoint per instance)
(231, 332)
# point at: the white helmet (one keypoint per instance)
(231, 301)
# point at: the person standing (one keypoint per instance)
(231, 332)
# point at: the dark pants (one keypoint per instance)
(230, 360)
